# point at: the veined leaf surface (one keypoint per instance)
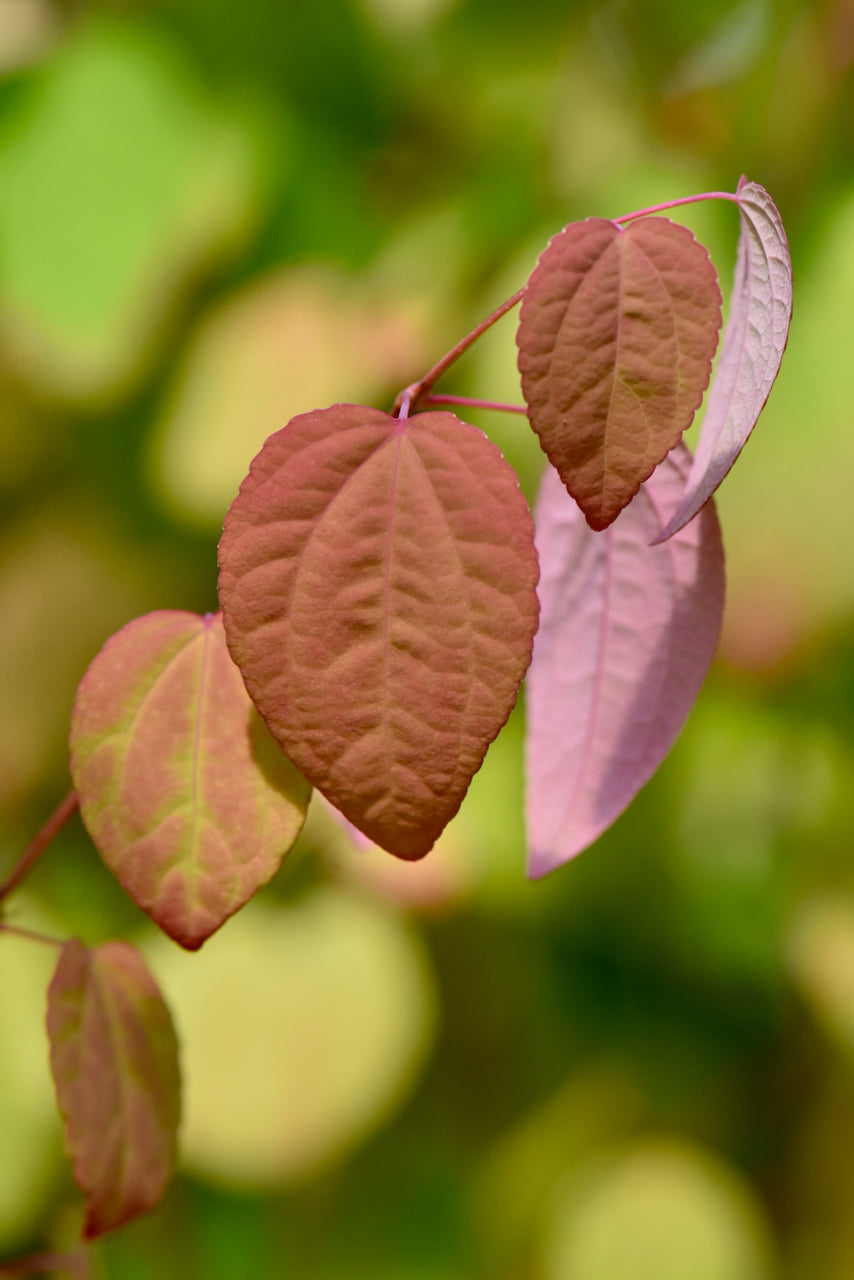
(184, 792)
(114, 1059)
(616, 336)
(753, 344)
(377, 585)
(626, 637)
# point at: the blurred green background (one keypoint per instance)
(214, 216)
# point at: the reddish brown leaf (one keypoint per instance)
(616, 336)
(181, 787)
(114, 1059)
(377, 583)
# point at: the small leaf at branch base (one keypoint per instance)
(187, 797)
(753, 344)
(377, 582)
(114, 1059)
(616, 336)
(626, 637)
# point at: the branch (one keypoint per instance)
(410, 396)
(475, 404)
(38, 844)
(674, 204)
(417, 394)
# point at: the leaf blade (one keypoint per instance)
(753, 345)
(185, 795)
(617, 331)
(114, 1061)
(639, 630)
(377, 582)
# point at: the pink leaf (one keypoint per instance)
(753, 344)
(616, 336)
(626, 637)
(187, 797)
(114, 1059)
(377, 583)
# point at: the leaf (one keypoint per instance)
(377, 585)
(114, 1059)
(626, 637)
(616, 336)
(753, 344)
(183, 791)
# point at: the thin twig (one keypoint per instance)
(475, 404)
(674, 204)
(39, 843)
(411, 395)
(417, 394)
(19, 931)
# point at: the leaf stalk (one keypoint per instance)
(57, 820)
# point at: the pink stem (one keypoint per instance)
(475, 404)
(674, 204)
(410, 396)
(39, 843)
(419, 392)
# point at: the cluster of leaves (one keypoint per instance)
(384, 590)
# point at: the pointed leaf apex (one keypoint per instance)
(377, 581)
(617, 331)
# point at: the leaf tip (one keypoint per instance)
(543, 860)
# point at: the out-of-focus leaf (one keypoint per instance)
(27, 29)
(114, 1059)
(302, 1028)
(626, 637)
(66, 552)
(30, 1152)
(753, 344)
(342, 335)
(181, 787)
(659, 1211)
(377, 584)
(616, 336)
(821, 958)
(121, 181)
(599, 1103)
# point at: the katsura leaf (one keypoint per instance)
(626, 637)
(377, 584)
(753, 344)
(114, 1059)
(616, 336)
(184, 792)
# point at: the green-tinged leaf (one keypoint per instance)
(181, 787)
(377, 584)
(616, 336)
(114, 1059)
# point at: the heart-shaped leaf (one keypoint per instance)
(377, 584)
(626, 637)
(616, 336)
(114, 1059)
(181, 787)
(753, 344)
